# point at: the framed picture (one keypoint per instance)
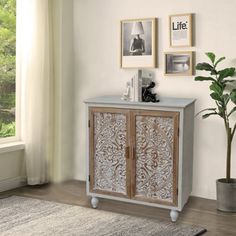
(179, 63)
(181, 30)
(138, 43)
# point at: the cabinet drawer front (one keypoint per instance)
(108, 154)
(156, 154)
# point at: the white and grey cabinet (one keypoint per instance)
(140, 152)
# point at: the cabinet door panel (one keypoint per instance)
(156, 152)
(108, 151)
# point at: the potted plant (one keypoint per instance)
(223, 92)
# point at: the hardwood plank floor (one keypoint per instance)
(197, 211)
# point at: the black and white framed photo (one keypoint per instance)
(138, 43)
(179, 63)
(181, 30)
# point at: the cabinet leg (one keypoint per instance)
(94, 202)
(174, 215)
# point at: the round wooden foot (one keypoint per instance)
(94, 202)
(174, 215)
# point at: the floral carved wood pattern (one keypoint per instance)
(110, 136)
(154, 157)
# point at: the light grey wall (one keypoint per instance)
(12, 169)
(97, 72)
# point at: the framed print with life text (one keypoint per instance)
(179, 63)
(138, 43)
(181, 30)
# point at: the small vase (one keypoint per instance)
(226, 195)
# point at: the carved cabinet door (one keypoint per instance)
(155, 156)
(109, 151)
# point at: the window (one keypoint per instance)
(7, 68)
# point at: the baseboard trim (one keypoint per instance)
(12, 183)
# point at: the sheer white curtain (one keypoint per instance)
(35, 70)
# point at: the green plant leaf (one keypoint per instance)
(226, 73)
(232, 111)
(228, 81)
(207, 109)
(219, 60)
(226, 98)
(204, 66)
(214, 72)
(216, 97)
(211, 56)
(209, 114)
(233, 96)
(203, 78)
(215, 87)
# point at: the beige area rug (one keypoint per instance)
(20, 216)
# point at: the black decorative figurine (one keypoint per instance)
(147, 95)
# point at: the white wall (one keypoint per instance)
(97, 72)
(12, 170)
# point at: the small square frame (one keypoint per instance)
(181, 30)
(179, 63)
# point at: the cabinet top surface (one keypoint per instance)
(164, 102)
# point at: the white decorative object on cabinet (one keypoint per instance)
(140, 152)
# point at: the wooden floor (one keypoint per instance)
(198, 211)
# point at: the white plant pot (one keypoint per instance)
(226, 195)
